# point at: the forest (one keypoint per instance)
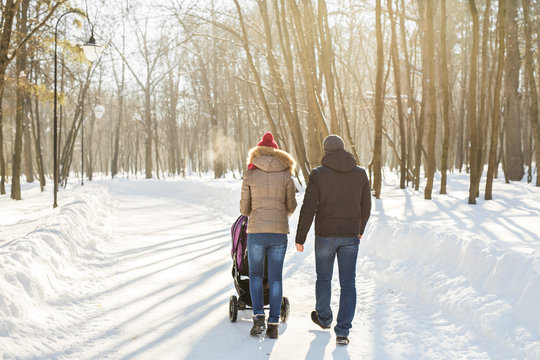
(415, 87)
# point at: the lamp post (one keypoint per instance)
(92, 52)
(98, 113)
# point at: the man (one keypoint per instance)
(338, 196)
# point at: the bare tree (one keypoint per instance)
(379, 103)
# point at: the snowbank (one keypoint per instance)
(36, 266)
(470, 278)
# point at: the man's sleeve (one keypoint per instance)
(365, 203)
(245, 197)
(309, 207)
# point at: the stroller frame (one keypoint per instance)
(241, 283)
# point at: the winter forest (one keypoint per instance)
(413, 86)
(140, 114)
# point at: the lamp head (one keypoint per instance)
(92, 51)
(99, 110)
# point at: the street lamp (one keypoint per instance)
(98, 113)
(92, 52)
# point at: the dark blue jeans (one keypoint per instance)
(273, 246)
(346, 250)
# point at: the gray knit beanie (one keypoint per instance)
(332, 143)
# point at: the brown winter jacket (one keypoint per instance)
(339, 198)
(268, 192)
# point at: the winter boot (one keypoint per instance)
(258, 325)
(316, 320)
(342, 340)
(272, 331)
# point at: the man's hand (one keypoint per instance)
(299, 247)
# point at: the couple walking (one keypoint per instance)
(337, 195)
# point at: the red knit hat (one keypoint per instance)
(268, 140)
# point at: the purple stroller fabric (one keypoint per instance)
(239, 240)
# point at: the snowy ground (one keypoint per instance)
(141, 270)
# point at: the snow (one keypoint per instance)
(140, 269)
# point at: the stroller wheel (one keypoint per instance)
(285, 309)
(233, 308)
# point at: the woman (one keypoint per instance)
(268, 199)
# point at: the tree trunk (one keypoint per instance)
(532, 86)
(379, 103)
(397, 86)
(2, 163)
(445, 100)
(116, 146)
(472, 106)
(492, 162)
(148, 132)
(20, 66)
(36, 132)
(421, 119)
(513, 153)
(8, 14)
(484, 92)
(432, 102)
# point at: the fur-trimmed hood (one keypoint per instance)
(269, 159)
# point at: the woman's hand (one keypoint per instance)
(299, 247)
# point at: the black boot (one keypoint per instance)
(316, 320)
(258, 325)
(272, 331)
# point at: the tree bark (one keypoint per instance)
(432, 103)
(397, 86)
(492, 162)
(20, 66)
(8, 14)
(532, 86)
(379, 103)
(513, 152)
(445, 100)
(473, 126)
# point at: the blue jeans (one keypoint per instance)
(346, 250)
(273, 247)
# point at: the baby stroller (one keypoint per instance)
(240, 274)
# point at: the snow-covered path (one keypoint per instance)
(150, 278)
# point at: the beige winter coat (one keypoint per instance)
(268, 192)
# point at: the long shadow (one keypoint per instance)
(318, 345)
(341, 353)
(198, 281)
(480, 217)
(187, 321)
(232, 341)
(160, 249)
(134, 280)
(379, 207)
(173, 256)
(408, 204)
(151, 247)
